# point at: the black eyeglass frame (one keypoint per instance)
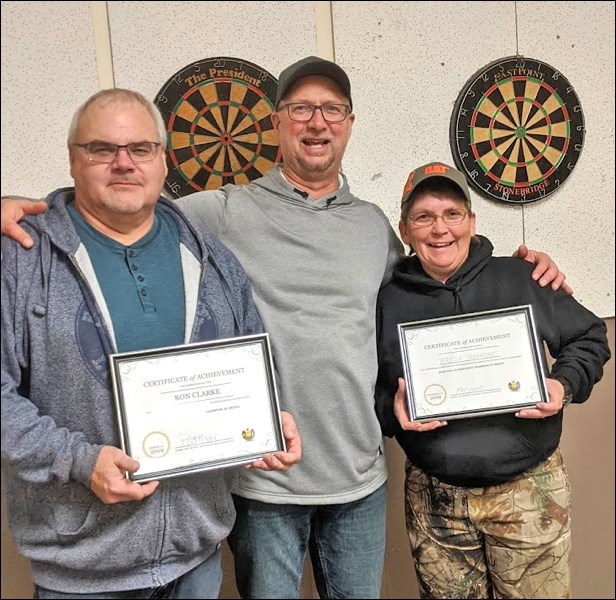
(314, 107)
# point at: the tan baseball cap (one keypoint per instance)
(435, 169)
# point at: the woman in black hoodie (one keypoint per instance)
(487, 498)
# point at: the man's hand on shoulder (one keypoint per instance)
(546, 270)
(15, 209)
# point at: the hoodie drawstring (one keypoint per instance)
(458, 309)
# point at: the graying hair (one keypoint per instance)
(120, 95)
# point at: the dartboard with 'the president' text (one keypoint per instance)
(217, 114)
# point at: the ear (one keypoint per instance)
(275, 117)
(71, 159)
(164, 153)
(403, 228)
(473, 223)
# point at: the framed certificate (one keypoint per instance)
(195, 407)
(472, 365)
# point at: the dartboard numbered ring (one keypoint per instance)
(517, 130)
(217, 113)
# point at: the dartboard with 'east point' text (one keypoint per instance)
(217, 114)
(517, 130)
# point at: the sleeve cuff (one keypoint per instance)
(568, 391)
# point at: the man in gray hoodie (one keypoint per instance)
(115, 268)
(316, 256)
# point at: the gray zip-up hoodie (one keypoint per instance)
(315, 267)
(57, 412)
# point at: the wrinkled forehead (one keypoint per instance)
(307, 87)
(117, 118)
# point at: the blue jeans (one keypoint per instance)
(346, 544)
(202, 582)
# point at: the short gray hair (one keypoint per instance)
(120, 95)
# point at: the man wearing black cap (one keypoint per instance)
(316, 256)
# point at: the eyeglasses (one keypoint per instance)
(303, 112)
(453, 216)
(106, 152)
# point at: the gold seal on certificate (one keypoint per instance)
(435, 394)
(462, 366)
(198, 406)
(156, 444)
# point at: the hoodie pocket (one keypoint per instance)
(202, 513)
(75, 511)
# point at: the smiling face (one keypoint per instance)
(312, 151)
(441, 248)
(122, 193)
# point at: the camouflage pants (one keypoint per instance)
(511, 540)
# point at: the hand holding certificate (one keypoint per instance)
(196, 407)
(472, 365)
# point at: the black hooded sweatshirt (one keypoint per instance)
(487, 450)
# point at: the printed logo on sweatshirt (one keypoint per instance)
(88, 336)
(205, 324)
(89, 344)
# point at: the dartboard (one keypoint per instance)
(517, 130)
(217, 114)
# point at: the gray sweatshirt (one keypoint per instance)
(315, 267)
(57, 412)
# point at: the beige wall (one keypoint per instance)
(588, 447)
(407, 61)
